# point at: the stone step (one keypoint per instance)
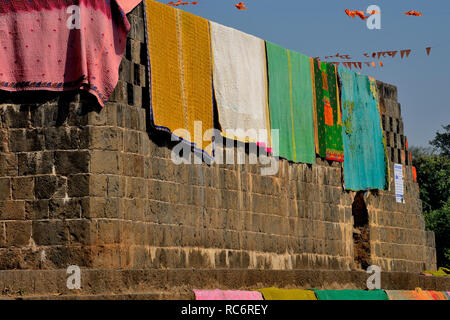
(124, 296)
(96, 282)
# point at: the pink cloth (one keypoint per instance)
(128, 5)
(227, 295)
(60, 45)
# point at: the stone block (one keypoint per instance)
(23, 188)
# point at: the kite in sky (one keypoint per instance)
(413, 13)
(357, 13)
(240, 6)
(176, 4)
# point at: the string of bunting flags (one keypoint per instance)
(405, 53)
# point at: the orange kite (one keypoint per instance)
(413, 13)
(240, 6)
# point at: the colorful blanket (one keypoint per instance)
(287, 294)
(59, 45)
(240, 85)
(417, 294)
(351, 295)
(180, 74)
(327, 112)
(365, 155)
(291, 103)
(227, 295)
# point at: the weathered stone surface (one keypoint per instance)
(92, 186)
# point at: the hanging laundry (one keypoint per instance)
(365, 165)
(351, 295)
(240, 85)
(180, 73)
(236, 295)
(327, 112)
(291, 103)
(287, 294)
(56, 46)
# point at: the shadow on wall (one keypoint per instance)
(30, 101)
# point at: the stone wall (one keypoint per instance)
(97, 188)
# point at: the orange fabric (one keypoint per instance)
(329, 115)
(414, 171)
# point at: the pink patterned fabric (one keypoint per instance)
(227, 295)
(128, 5)
(60, 45)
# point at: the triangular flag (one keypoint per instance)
(350, 65)
(402, 53)
(373, 64)
(428, 51)
(381, 53)
(374, 55)
(367, 64)
(355, 64)
(366, 55)
(381, 63)
(392, 53)
(360, 65)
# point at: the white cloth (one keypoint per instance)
(240, 84)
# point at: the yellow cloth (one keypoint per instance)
(181, 77)
(442, 272)
(287, 294)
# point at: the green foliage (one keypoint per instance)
(439, 222)
(433, 176)
(442, 141)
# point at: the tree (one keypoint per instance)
(442, 141)
(433, 176)
(439, 222)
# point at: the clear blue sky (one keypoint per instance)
(321, 27)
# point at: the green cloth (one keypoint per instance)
(351, 295)
(442, 272)
(365, 154)
(328, 117)
(321, 146)
(287, 294)
(291, 103)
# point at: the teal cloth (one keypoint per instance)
(364, 150)
(351, 295)
(291, 104)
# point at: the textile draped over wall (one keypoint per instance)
(327, 112)
(351, 295)
(180, 72)
(287, 294)
(240, 85)
(291, 103)
(365, 154)
(45, 48)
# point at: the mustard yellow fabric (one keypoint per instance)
(442, 272)
(181, 73)
(287, 294)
